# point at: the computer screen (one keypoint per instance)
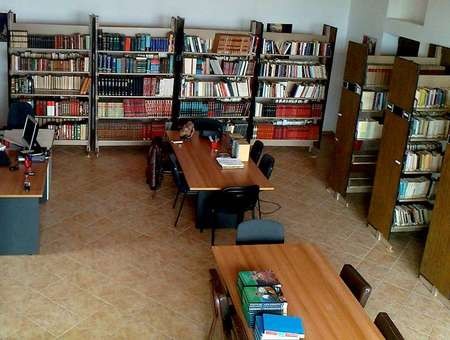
(30, 132)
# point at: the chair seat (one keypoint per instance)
(260, 232)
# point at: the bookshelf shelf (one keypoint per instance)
(65, 142)
(48, 50)
(131, 97)
(24, 73)
(294, 56)
(229, 99)
(427, 139)
(289, 99)
(376, 88)
(214, 54)
(134, 52)
(293, 79)
(133, 118)
(429, 109)
(213, 117)
(287, 118)
(214, 76)
(288, 142)
(135, 74)
(123, 142)
(413, 200)
(62, 117)
(409, 228)
(18, 95)
(424, 172)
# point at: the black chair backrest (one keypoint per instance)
(208, 127)
(360, 288)
(260, 232)
(387, 327)
(17, 115)
(256, 151)
(266, 165)
(237, 199)
(176, 173)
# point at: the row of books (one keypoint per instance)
(135, 86)
(135, 108)
(429, 127)
(138, 42)
(222, 43)
(432, 98)
(374, 101)
(271, 131)
(413, 214)
(67, 131)
(369, 129)
(133, 131)
(213, 109)
(215, 89)
(378, 75)
(413, 187)
(237, 67)
(302, 48)
(270, 69)
(22, 39)
(64, 107)
(422, 161)
(67, 62)
(145, 63)
(260, 292)
(48, 83)
(291, 90)
(302, 110)
(279, 327)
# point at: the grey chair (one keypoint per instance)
(260, 232)
(387, 327)
(360, 288)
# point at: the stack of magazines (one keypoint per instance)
(270, 327)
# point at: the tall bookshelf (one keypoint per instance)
(361, 116)
(293, 80)
(134, 80)
(435, 266)
(217, 75)
(50, 68)
(415, 124)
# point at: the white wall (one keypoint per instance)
(305, 15)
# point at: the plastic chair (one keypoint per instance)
(260, 232)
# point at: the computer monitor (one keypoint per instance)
(30, 133)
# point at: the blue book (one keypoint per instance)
(282, 324)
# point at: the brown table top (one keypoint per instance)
(312, 288)
(11, 182)
(202, 172)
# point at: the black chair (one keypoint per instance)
(360, 288)
(233, 200)
(266, 167)
(209, 127)
(387, 327)
(260, 232)
(17, 115)
(180, 182)
(256, 151)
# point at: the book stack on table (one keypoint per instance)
(260, 292)
(271, 327)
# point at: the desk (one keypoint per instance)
(19, 210)
(312, 288)
(203, 173)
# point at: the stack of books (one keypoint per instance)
(260, 292)
(270, 327)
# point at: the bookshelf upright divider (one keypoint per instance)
(50, 68)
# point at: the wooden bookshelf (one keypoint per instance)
(396, 140)
(224, 57)
(293, 78)
(62, 52)
(351, 143)
(132, 64)
(435, 266)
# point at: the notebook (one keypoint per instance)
(230, 163)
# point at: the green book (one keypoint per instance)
(256, 279)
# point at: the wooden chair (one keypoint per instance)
(387, 327)
(221, 307)
(360, 288)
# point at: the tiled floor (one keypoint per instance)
(113, 266)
